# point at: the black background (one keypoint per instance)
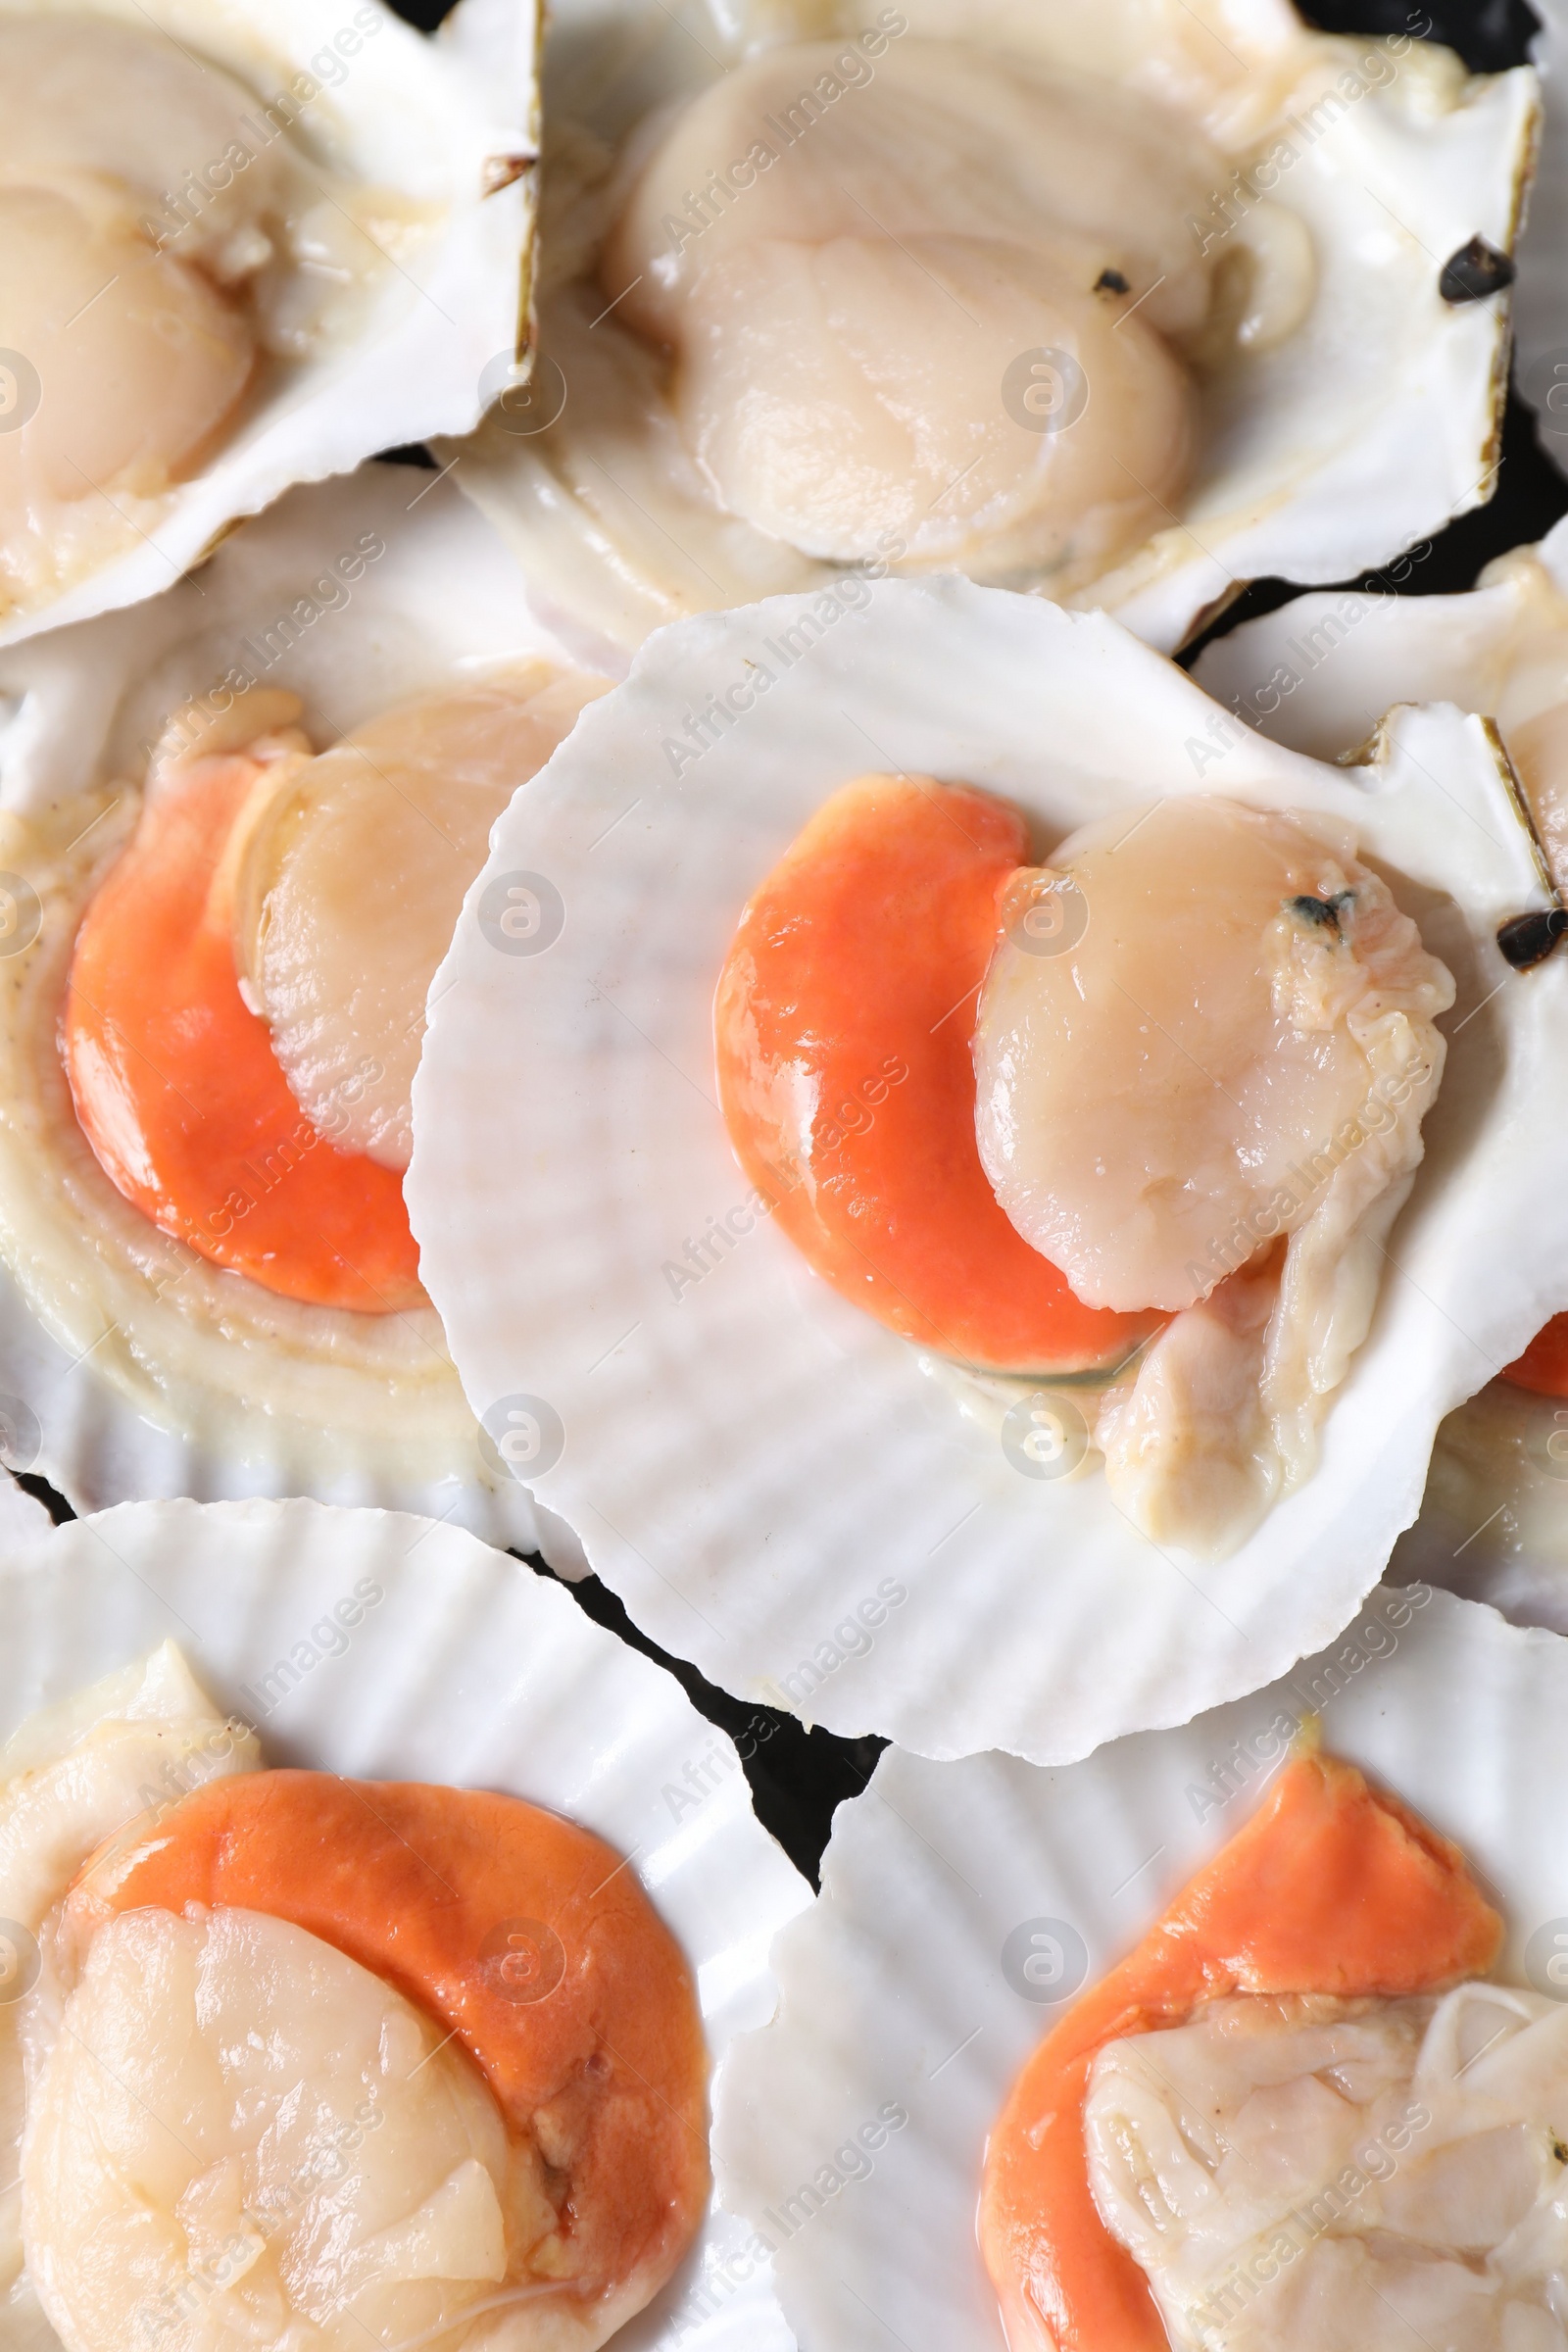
(797, 1777)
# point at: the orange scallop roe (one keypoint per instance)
(1543, 1365)
(842, 1024)
(524, 1934)
(1331, 1887)
(178, 1091)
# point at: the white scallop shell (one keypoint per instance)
(469, 1669)
(1374, 422)
(442, 121)
(893, 1989)
(1319, 674)
(747, 1457)
(109, 1419)
(1494, 1523)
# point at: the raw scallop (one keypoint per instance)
(1295, 2173)
(840, 325)
(336, 2167)
(150, 1369)
(243, 247)
(1120, 303)
(73, 1775)
(1240, 1045)
(353, 878)
(163, 235)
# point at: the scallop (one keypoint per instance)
(822, 377)
(1028, 1524)
(967, 285)
(242, 249)
(245, 815)
(341, 2159)
(352, 2137)
(1269, 2163)
(1250, 2117)
(353, 876)
(75, 1775)
(1158, 1103)
(337, 2165)
(137, 338)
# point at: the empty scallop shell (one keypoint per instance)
(747, 1457)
